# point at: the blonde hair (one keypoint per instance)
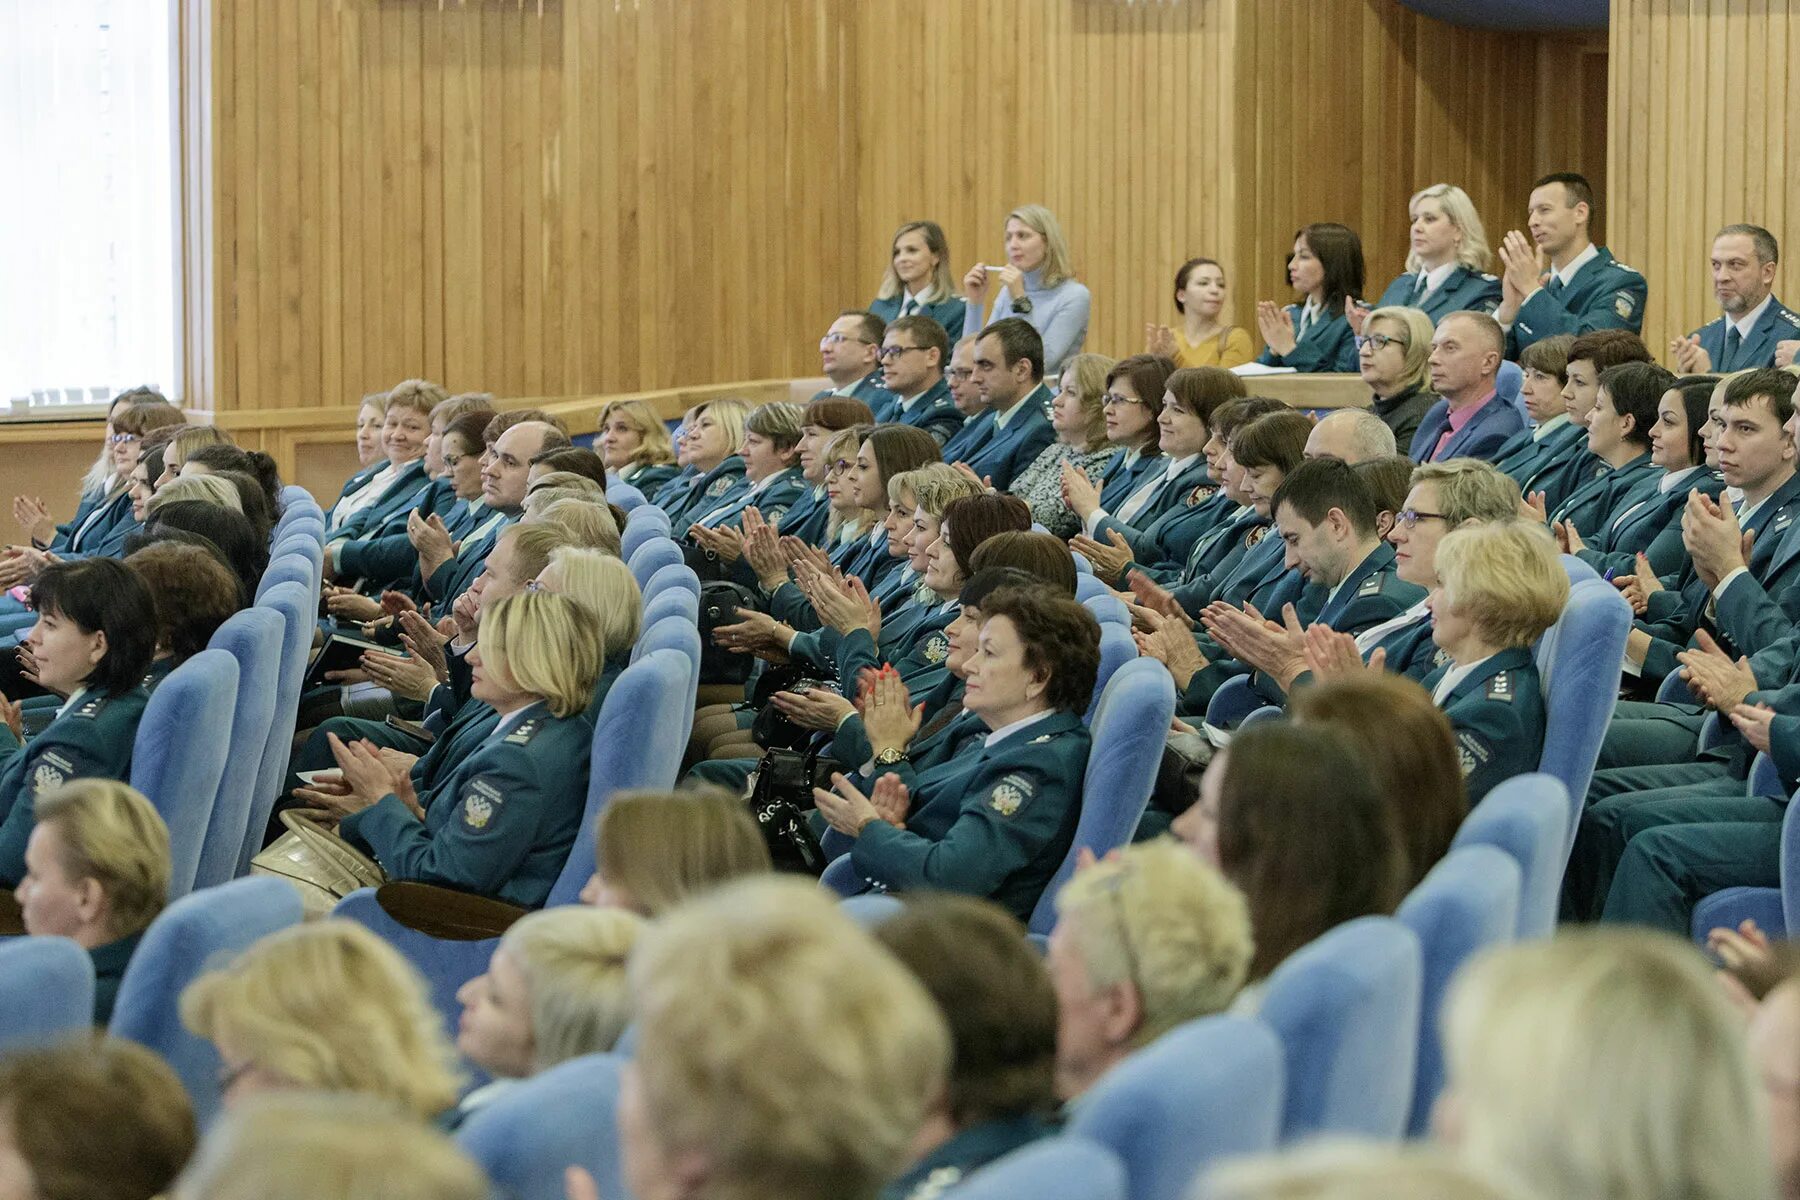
(190, 438)
(374, 400)
(844, 444)
(1470, 490)
(547, 645)
(1472, 252)
(779, 421)
(729, 411)
(932, 487)
(1604, 1063)
(419, 395)
(208, 489)
(1089, 372)
(606, 588)
(810, 1065)
(943, 283)
(663, 847)
(1415, 370)
(568, 481)
(573, 961)
(304, 1146)
(1505, 577)
(533, 544)
(654, 446)
(1187, 928)
(588, 523)
(1334, 1170)
(111, 834)
(331, 1007)
(1058, 264)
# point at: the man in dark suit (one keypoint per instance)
(1471, 421)
(1744, 259)
(850, 355)
(1557, 280)
(1009, 369)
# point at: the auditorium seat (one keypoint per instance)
(193, 934)
(179, 757)
(1578, 661)
(253, 638)
(1526, 816)
(527, 1137)
(675, 575)
(1129, 728)
(872, 908)
(672, 602)
(302, 544)
(1107, 609)
(1056, 1168)
(1206, 1090)
(1116, 649)
(1233, 702)
(46, 990)
(625, 496)
(1346, 1008)
(651, 556)
(1087, 587)
(290, 568)
(297, 606)
(1776, 910)
(1468, 902)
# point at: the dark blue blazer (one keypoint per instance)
(947, 312)
(809, 516)
(1591, 507)
(974, 432)
(1463, 291)
(1651, 525)
(1118, 482)
(1604, 294)
(1328, 346)
(1003, 453)
(868, 389)
(1486, 432)
(400, 496)
(649, 478)
(934, 412)
(1522, 456)
(703, 494)
(1778, 323)
(1192, 484)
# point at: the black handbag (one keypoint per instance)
(781, 796)
(719, 601)
(773, 729)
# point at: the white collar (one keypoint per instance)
(1550, 426)
(1748, 322)
(1006, 731)
(1674, 479)
(1453, 677)
(72, 701)
(508, 720)
(878, 534)
(1001, 418)
(1434, 278)
(1179, 465)
(1372, 637)
(1567, 273)
(1311, 311)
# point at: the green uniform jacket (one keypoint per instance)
(92, 739)
(110, 962)
(1498, 715)
(995, 824)
(969, 1150)
(1604, 294)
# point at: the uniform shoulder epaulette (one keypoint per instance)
(90, 708)
(1500, 687)
(1791, 317)
(528, 729)
(1486, 278)
(1372, 585)
(1623, 267)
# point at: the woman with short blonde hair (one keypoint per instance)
(807, 1072)
(603, 585)
(546, 645)
(1332, 1170)
(1504, 578)
(1447, 258)
(588, 523)
(1393, 354)
(208, 489)
(652, 850)
(1602, 1063)
(326, 1007)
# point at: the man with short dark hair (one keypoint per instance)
(1471, 421)
(914, 352)
(849, 354)
(1015, 429)
(1557, 280)
(1744, 260)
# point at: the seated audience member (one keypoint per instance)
(1079, 414)
(1773, 1040)
(324, 1007)
(998, 828)
(1447, 258)
(223, 458)
(1549, 430)
(97, 486)
(919, 281)
(1651, 526)
(1570, 466)
(149, 468)
(441, 497)
(93, 642)
(1144, 941)
(1292, 818)
(995, 996)
(589, 524)
(1393, 354)
(634, 444)
(561, 484)
(654, 850)
(1618, 428)
(1205, 338)
(1499, 587)
(1353, 1171)
(1015, 428)
(554, 990)
(194, 593)
(406, 424)
(810, 515)
(502, 822)
(1350, 435)
(188, 438)
(1326, 268)
(1745, 259)
(1037, 284)
(1134, 491)
(206, 489)
(708, 448)
(772, 482)
(321, 1147)
(96, 871)
(463, 448)
(726, 1092)
(446, 567)
(1470, 421)
(1389, 478)
(914, 352)
(606, 588)
(850, 354)
(568, 460)
(961, 376)
(90, 1118)
(1602, 1064)
(199, 523)
(1585, 289)
(369, 417)
(1410, 753)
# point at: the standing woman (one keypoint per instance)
(1037, 283)
(918, 279)
(1326, 268)
(1446, 267)
(634, 444)
(1205, 338)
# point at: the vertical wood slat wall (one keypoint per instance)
(1705, 129)
(640, 195)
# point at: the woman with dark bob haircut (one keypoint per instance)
(93, 641)
(1000, 828)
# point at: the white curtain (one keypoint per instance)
(87, 198)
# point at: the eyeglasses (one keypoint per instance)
(838, 339)
(1114, 399)
(961, 374)
(123, 439)
(452, 460)
(839, 467)
(1406, 518)
(1379, 341)
(888, 352)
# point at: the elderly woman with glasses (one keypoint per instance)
(1080, 413)
(1393, 355)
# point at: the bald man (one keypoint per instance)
(1355, 435)
(1471, 421)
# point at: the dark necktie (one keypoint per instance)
(1418, 291)
(1555, 286)
(909, 308)
(1733, 343)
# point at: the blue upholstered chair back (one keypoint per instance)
(672, 602)
(1116, 649)
(46, 990)
(1579, 662)
(1057, 1168)
(179, 758)
(625, 496)
(289, 568)
(1107, 609)
(253, 637)
(193, 934)
(1468, 902)
(1087, 587)
(1527, 817)
(301, 544)
(675, 575)
(1130, 726)
(650, 556)
(1346, 1009)
(526, 1138)
(1206, 1090)
(297, 606)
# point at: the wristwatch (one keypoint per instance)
(1022, 306)
(889, 757)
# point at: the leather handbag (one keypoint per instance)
(780, 798)
(322, 866)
